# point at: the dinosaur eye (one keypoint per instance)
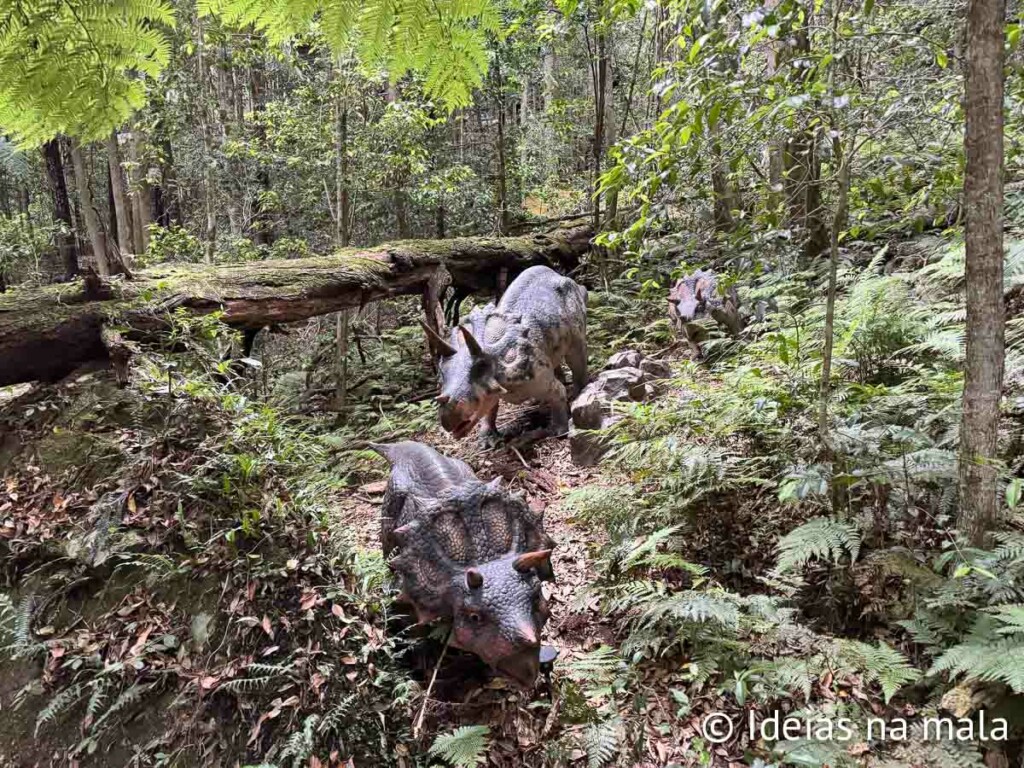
(475, 617)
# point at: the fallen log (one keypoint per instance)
(47, 332)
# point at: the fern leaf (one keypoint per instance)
(464, 747)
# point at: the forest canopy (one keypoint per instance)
(79, 68)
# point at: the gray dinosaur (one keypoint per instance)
(513, 352)
(695, 296)
(468, 551)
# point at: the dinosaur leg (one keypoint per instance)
(490, 437)
(577, 360)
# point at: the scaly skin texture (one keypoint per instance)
(514, 352)
(695, 296)
(469, 551)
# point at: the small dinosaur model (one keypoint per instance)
(469, 551)
(696, 296)
(513, 352)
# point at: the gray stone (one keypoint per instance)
(587, 447)
(655, 369)
(626, 358)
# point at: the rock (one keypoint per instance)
(655, 369)
(616, 385)
(622, 384)
(588, 448)
(589, 408)
(626, 358)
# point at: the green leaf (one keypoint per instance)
(941, 59)
(1013, 492)
(869, 6)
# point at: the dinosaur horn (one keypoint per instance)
(474, 579)
(531, 560)
(474, 346)
(439, 345)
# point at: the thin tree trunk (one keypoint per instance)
(204, 118)
(825, 389)
(142, 213)
(983, 204)
(502, 180)
(122, 210)
(342, 230)
(600, 75)
(66, 244)
(341, 361)
(92, 220)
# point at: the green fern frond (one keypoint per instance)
(601, 742)
(59, 704)
(1001, 660)
(464, 747)
(822, 538)
(882, 664)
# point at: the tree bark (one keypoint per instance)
(501, 189)
(142, 212)
(45, 333)
(983, 204)
(97, 237)
(66, 244)
(122, 209)
(204, 120)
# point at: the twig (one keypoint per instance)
(520, 456)
(426, 696)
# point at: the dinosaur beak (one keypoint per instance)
(521, 667)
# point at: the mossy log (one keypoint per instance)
(45, 333)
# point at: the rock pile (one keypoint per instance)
(627, 377)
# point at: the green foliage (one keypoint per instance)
(464, 747)
(822, 538)
(444, 41)
(171, 244)
(882, 664)
(78, 68)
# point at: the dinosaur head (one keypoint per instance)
(694, 295)
(499, 611)
(469, 380)
(478, 555)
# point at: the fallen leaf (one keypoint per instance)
(266, 626)
(208, 682)
(337, 611)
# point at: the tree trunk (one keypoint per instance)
(45, 333)
(341, 360)
(501, 188)
(204, 118)
(342, 232)
(66, 244)
(92, 220)
(983, 204)
(610, 122)
(142, 214)
(122, 210)
(600, 76)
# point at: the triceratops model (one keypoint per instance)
(514, 352)
(469, 551)
(696, 296)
